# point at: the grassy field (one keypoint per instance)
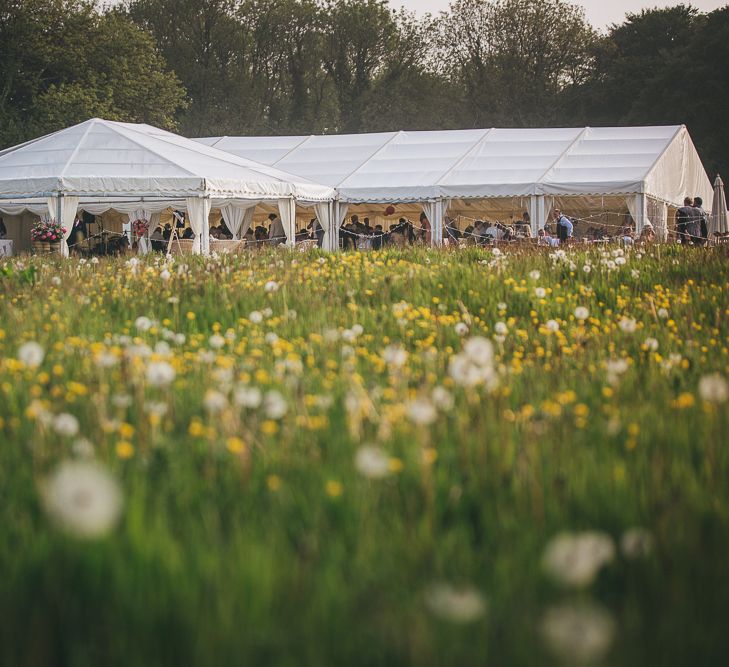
(399, 458)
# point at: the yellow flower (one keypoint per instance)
(334, 489)
(235, 446)
(685, 400)
(395, 465)
(124, 449)
(196, 428)
(273, 482)
(429, 456)
(269, 427)
(126, 431)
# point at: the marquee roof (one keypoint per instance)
(416, 166)
(100, 158)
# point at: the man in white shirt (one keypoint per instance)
(276, 233)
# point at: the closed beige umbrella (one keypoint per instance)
(718, 220)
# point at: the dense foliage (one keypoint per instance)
(215, 67)
(361, 459)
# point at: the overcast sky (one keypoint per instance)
(600, 13)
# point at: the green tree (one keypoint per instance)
(62, 61)
(515, 58)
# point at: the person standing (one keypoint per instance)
(425, 229)
(684, 219)
(701, 235)
(276, 232)
(565, 228)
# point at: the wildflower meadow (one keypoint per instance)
(407, 457)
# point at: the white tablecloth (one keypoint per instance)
(6, 248)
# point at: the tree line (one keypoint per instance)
(213, 67)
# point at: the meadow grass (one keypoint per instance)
(256, 530)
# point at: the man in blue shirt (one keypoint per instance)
(564, 226)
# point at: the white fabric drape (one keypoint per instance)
(341, 215)
(144, 214)
(435, 210)
(247, 221)
(324, 216)
(637, 205)
(64, 210)
(233, 217)
(198, 210)
(287, 211)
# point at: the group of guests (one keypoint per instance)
(362, 235)
(692, 222)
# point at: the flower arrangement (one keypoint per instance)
(48, 231)
(140, 227)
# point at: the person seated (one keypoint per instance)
(647, 234)
(544, 238)
(225, 233)
(157, 240)
(469, 234)
(167, 232)
(249, 237)
(260, 235)
(626, 236)
(481, 232)
(188, 234)
(523, 227)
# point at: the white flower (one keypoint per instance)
(651, 344)
(461, 328)
(56, 281)
(247, 397)
(271, 338)
(156, 408)
(160, 374)
(372, 462)
(216, 341)
(540, 292)
(94, 260)
(501, 305)
(663, 313)
(479, 350)
(357, 329)
(535, 275)
(552, 325)
(578, 633)
(496, 252)
(162, 348)
(256, 317)
(143, 324)
(587, 268)
(714, 388)
(83, 498)
(581, 313)
(636, 543)
(442, 398)
(395, 356)
(31, 354)
(121, 401)
(574, 560)
(501, 329)
(83, 449)
(615, 368)
(180, 339)
(628, 325)
(421, 412)
(271, 286)
(165, 275)
(173, 300)
(635, 274)
(619, 261)
(458, 605)
(274, 405)
(214, 401)
(106, 360)
(65, 424)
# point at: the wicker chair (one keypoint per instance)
(223, 246)
(180, 246)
